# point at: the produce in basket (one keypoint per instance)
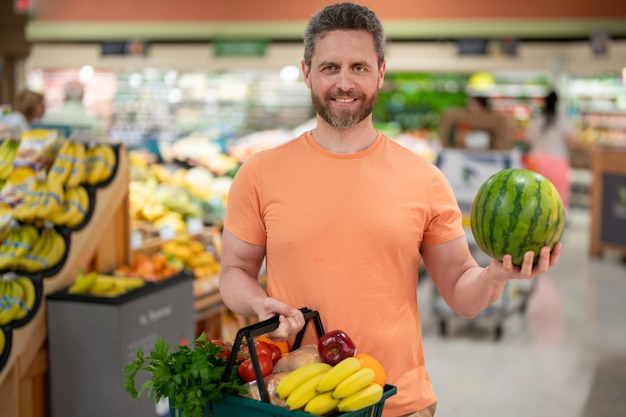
(335, 346)
(516, 211)
(190, 377)
(320, 388)
(297, 358)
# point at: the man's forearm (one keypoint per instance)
(241, 293)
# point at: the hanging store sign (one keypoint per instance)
(239, 48)
(132, 48)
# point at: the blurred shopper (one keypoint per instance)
(28, 107)
(478, 105)
(343, 216)
(550, 137)
(83, 124)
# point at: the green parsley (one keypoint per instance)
(189, 377)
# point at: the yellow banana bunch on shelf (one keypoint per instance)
(79, 165)
(8, 151)
(42, 199)
(19, 241)
(320, 389)
(17, 298)
(99, 285)
(61, 168)
(75, 207)
(70, 165)
(47, 252)
(101, 162)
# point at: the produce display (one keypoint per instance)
(100, 285)
(155, 267)
(515, 211)
(294, 380)
(47, 189)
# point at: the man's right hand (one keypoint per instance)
(291, 320)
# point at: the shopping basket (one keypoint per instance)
(235, 405)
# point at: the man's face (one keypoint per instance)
(344, 77)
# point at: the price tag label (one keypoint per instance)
(194, 225)
(136, 241)
(167, 232)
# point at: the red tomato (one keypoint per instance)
(264, 348)
(276, 353)
(246, 370)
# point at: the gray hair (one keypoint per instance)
(343, 16)
(74, 90)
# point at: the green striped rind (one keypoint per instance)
(515, 211)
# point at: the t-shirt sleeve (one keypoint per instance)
(244, 211)
(446, 219)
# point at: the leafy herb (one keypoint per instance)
(190, 378)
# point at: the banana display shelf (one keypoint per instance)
(6, 331)
(235, 405)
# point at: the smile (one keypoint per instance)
(345, 100)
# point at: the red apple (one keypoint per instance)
(335, 346)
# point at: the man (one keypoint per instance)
(83, 124)
(343, 217)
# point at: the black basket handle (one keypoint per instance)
(262, 327)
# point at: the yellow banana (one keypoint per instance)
(8, 151)
(59, 247)
(101, 163)
(321, 404)
(61, 167)
(28, 297)
(366, 397)
(338, 373)
(355, 382)
(34, 261)
(47, 252)
(7, 249)
(103, 288)
(52, 200)
(127, 283)
(83, 283)
(12, 301)
(299, 376)
(79, 165)
(3, 341)
(303, 393)
(22, 240)
(80, 202)
(26, 211)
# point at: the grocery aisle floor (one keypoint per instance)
(564, 356)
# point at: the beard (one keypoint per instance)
(344, 119)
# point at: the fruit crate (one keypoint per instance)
(235, 405)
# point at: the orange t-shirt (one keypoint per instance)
(343, 234)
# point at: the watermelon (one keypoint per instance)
(514, 211)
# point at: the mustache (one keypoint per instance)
(345, 93)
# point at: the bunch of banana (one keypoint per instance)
(19, 241)
(46, 253)
(101, 161)
(100, 285)
(321, 389)
(42, 199)
(70, 165)
(74, 209)
(8, 151)
(17, 298)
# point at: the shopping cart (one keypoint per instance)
(466, 171)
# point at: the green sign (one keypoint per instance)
(240, 47)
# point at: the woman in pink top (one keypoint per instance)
(550, 137)
(343, 217)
